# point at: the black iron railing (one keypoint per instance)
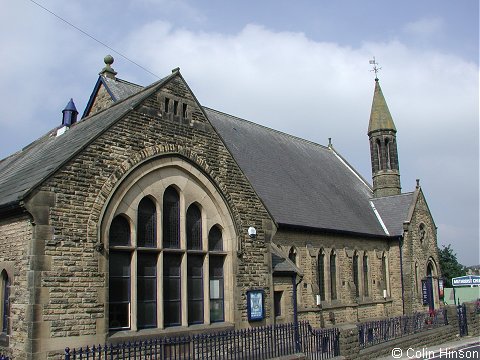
(375, 332)
(462, 320)
(319, 344)
(264, 342)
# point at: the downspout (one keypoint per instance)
(400, 238)
(295, 311)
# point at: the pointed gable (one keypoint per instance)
(23, 171)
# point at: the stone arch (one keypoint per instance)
(151, 179)
(142, 157)
(431, 276)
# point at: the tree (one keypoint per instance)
(449, 264)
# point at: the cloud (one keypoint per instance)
(284, 80)
(317, 90)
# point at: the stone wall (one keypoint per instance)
(419, 250)
(70, 301)
(346, 308)
(284, 284)
(15, 236)
(102, 101)
(349, 346)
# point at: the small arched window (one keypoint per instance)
(355, 274)
(387, 149)
(422, 233)
(292, 255)
(194, 228)
(416, 278)
(379, 154)
(365, 274)
(4, 298)
(333, 275)
(321, 274)
(171, 218)
(385, 273)
(147, 224)
(119, 234)
(215, 241)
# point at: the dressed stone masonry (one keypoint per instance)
(133, 223)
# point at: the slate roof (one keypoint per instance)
(301, 183)
(394, 211)
(118, 89)
(24, 170)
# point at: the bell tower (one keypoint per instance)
(383, 147)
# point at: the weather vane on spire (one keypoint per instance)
(375, 69)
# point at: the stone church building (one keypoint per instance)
(154, 215)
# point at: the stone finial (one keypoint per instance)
(108, 71)
(418, 183)
(177, 69)
(329, 142)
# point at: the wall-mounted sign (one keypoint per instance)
(466, 280)
(255, 305)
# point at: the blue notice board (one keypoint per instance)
(255, 305)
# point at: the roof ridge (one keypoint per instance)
(269, 128)
(130, 83)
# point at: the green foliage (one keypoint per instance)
(449, 264)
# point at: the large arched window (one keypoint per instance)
(147, 224)
(4, 301)
(365, 275)
(321, 274)
(333, 275)
(355, 272)
(171, 218)
(168, 259)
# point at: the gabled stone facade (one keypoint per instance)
(58, 242)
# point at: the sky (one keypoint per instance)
(301, 67)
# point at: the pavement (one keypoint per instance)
(432, 351)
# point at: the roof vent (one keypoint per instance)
(69, 114)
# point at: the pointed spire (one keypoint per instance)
(380, 118)
(108, 71)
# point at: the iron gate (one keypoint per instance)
(462, 319)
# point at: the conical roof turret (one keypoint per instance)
(380, 118)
